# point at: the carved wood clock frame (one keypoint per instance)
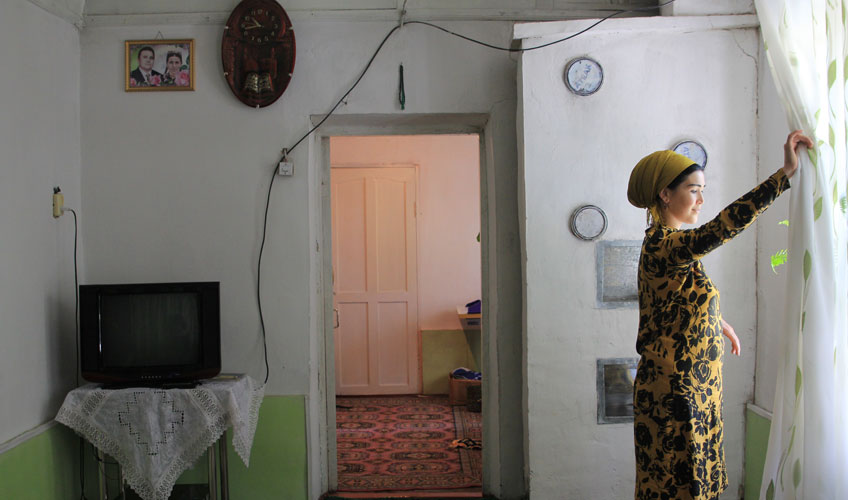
(258, 52)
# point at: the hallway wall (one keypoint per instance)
(665, 80)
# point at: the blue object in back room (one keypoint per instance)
(466, 374)
(474, 307)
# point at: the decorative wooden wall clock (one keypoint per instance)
(258, 51)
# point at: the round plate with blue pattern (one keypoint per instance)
(692, 150)
(583, 76)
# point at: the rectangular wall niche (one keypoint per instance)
(617, 266)
(615, 389)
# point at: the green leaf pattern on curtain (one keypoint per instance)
(807, 49)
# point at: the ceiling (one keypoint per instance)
(84, 13)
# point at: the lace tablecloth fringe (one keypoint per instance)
(220, 417)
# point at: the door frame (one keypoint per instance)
(320, 400)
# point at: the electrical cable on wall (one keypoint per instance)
(76, 336)
(484, 44)
(402, 99)
(58, 210)
(76, 291)
(259, 273)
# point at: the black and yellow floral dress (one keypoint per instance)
(677, 395)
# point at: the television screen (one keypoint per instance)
(150, 333)
(159, 329)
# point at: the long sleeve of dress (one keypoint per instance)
(683, 247)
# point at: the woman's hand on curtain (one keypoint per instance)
(728, 332)
(790, 151)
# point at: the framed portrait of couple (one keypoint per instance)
(157, 65)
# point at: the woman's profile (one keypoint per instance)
(677, 393)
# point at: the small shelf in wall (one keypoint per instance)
(469, 321)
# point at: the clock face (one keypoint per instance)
(260, 25)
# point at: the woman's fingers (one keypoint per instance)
(790, 157)
(797, 137)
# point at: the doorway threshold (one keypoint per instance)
(408, 495)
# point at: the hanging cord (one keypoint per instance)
(259, 270)
(402, 96)
(569, 37)
(82, 468)
(401, 91)
(76, 295)
(505, 49)
(333, 109)
(271, 185)
(76, 336)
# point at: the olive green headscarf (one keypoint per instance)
(652, 174)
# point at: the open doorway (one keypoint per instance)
(405, 217)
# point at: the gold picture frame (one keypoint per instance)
(158, 65)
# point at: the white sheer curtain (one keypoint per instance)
(808, 445)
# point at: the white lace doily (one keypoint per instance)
(156, 434)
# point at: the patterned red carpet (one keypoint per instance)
(390, 443)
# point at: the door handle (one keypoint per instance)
(336, 318)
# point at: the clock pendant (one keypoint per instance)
(258, 52)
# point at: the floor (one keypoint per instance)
(444, 494)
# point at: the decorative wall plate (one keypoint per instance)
(692, 150)
(583, 76)
(258, 51)
(588, 222)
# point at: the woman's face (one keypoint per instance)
(174, 64)
(683, 203)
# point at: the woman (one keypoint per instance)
(677, 395)
(173, 75)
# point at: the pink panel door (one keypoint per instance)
(375, 285)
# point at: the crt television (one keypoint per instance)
(149, 333)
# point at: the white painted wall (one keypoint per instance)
(666, 79)
(39, 149)
(448, 215)
(175, 185)
(175, 182)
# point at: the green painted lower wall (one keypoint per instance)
(278, 457)
(757, 429)
(441, 352)
(45, 467)
(42, 468)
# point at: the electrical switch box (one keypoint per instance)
(285, 168)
